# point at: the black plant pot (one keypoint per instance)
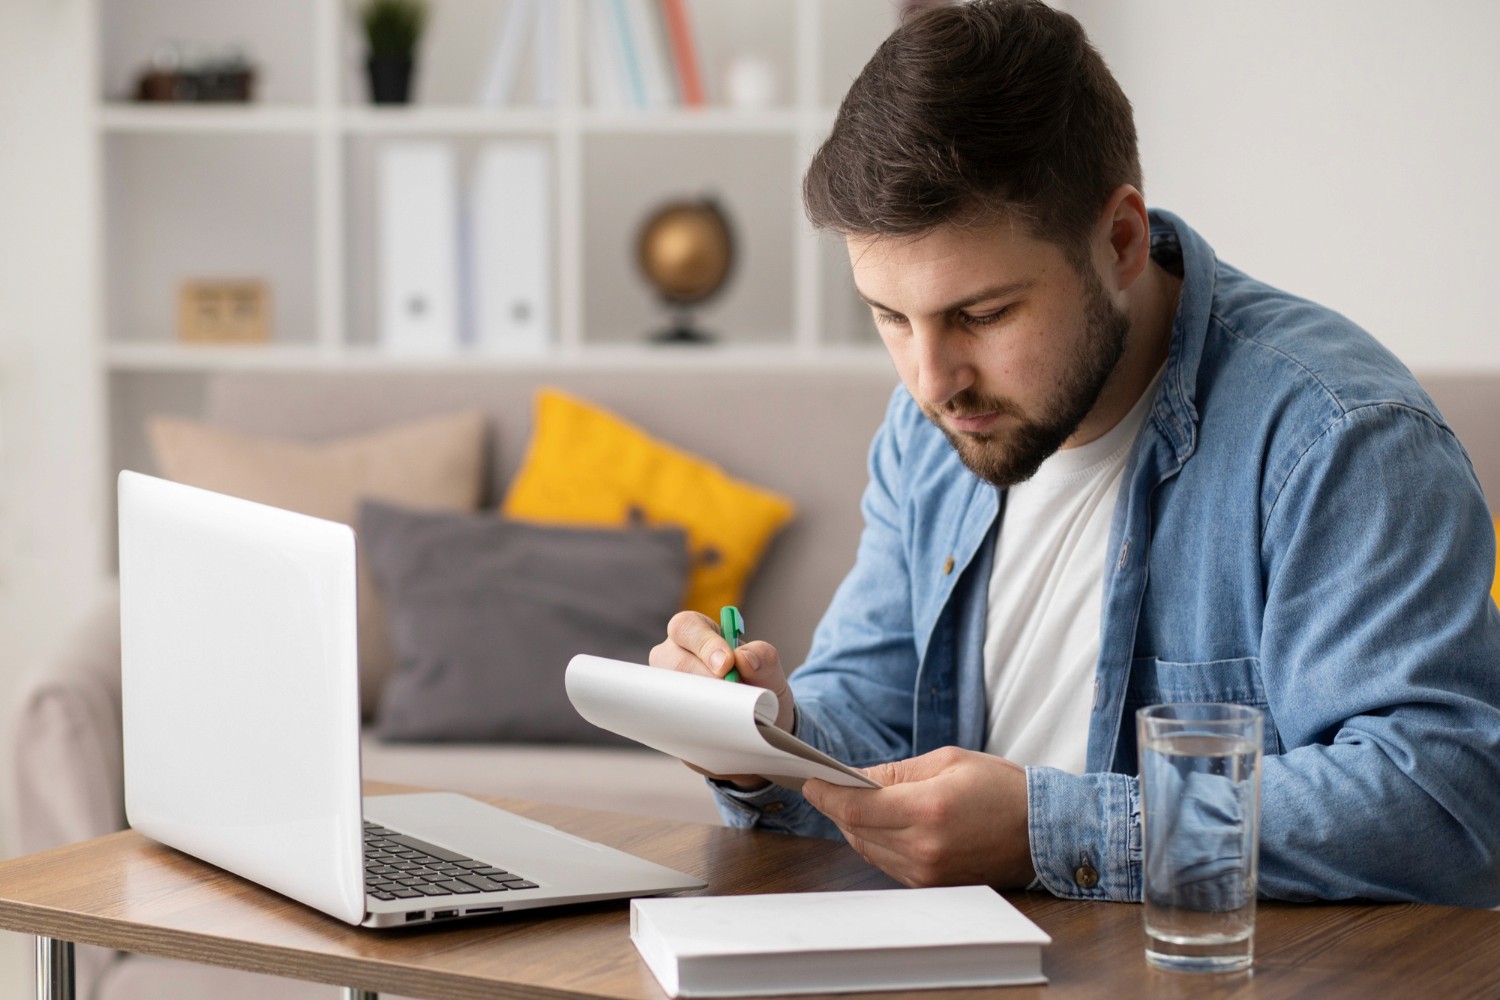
(390, 79)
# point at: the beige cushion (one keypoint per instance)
(438, 463)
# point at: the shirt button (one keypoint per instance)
(947, 565)
(1085, 876)
(775, 807)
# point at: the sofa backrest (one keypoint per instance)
(805, 433)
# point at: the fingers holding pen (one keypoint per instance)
(694, 646)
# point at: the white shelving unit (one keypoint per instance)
(281, 189)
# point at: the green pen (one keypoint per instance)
(732, 627)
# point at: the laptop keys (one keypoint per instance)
(401, 867)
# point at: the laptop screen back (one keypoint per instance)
(239, 688)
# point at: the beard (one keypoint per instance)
(1005, 458)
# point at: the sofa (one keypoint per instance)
(801, 432)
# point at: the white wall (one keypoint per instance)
(49, 511)
(1346, 150)
(49, 514)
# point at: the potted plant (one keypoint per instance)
(392, 30)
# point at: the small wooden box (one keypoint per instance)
(224, 312)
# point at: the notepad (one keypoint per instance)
(722, 728)
(836, 942)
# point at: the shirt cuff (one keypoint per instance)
(770, 808)
(1085, 833)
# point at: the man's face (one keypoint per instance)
(999, 339)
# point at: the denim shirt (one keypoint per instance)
(1296, 529)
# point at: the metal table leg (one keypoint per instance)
(54, 973)
(54, 969)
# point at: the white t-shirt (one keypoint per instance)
(1041, 635)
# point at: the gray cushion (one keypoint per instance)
(485, 614)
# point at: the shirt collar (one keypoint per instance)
(1176, 411)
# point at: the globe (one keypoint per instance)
(686, 251)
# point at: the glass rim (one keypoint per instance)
(1211, 713)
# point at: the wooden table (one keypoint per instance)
(126, 892)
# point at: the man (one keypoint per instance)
(1119, 472)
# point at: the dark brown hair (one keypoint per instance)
(973, 111)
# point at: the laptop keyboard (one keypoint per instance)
(402, 867)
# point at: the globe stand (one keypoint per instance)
(682, 332)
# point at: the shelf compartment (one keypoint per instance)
(278, 37)
(628, 176)
(362, 228)
(179, 207)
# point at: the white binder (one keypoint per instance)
(511, 269)
(417, 201)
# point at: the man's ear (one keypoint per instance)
(1126, 237)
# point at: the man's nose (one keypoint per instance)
(943, 370)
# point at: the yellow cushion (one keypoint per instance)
(584, 465)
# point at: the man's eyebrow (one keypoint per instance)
(993, 292)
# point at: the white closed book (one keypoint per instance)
(836, 942)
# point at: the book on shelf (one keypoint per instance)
(547, 58)
(607, 84)
(527, 25)
(627, 53)
(642, 55)
(504, 67)
(647, 34)
(836, 942)
(722, 728)
(684, 52)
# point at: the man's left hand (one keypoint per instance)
(949, 817)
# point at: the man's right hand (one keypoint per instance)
(694, 645)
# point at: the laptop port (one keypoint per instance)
(443, 914)
(483, 909)
(412, 918)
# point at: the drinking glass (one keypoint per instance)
(1200, 813)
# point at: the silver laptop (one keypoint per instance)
(241, 715)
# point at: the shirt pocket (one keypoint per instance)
(1166, 682)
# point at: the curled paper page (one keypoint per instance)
(723, 728)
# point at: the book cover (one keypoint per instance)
(684, 52)
(625, 46)
(836, 942)
(608, 85)
(656, 72)
(546, 57)
(500, 75)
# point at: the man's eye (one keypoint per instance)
(890, 319)
(968, 319)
